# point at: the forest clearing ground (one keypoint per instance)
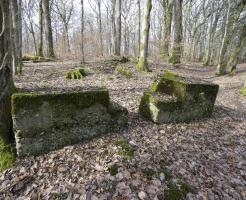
(208, 154)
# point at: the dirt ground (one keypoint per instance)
(206, 157)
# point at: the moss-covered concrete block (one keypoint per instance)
(36, 59)
(76, 74)
(174, 98)
(46, 122)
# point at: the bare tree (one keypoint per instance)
(117, 27)
(64, 9)
(82, 32)
(143, 58)
(40, 39)
(232, 16)
(168, 10)
(6, 80)
(176, 52)
(48, 28)
(98, 12)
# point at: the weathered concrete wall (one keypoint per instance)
(45, 122)
(178, 99)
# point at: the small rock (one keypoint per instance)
(189, 196)
(142, 195)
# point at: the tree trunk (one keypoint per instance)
(117, 22)
(176, 52)
(19, 47)
(221, 68)
(168, 9)
(66, 35)
(48, 28)
(139, 25)
(227, 36)
(6, 84)
(143, 58)
(16, 33)
(40, 39)
(82, 32)
(100, 27)
(213, 26)
(241, 43)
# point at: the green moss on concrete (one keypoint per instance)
(179, 99)
(36, 58)
(124, 149)
(243, 91)
(144, 105)
(79, 74)
(33, 101)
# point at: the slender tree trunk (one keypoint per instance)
(40, 39)
(143, 58)
(19, 47)
(100, 27)
(168, 9)
(117, 28)
(82, 32)
(66, 35)
(139, 25)
(14, 35)
(176, 53)
(48, 28)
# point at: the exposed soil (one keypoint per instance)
(209, 154)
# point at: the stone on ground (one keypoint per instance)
(46, 122)
(174, 98)
(76, 74)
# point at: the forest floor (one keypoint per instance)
(204, 159)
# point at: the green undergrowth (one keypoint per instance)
(79, 74)
(179, 191)
(243, 91)
(151, 173)
(7, 156)
(125, 72)
(125, 150)
(113, 170)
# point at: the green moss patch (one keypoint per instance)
(175, 192)
(149, 173)
(125, 72)
(79, 74)
(243, 91)
(124, 149)
(7, 156)
(113, 170)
